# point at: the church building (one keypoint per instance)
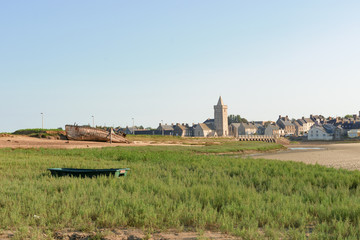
(221, 119)
(216, 127)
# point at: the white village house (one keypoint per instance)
(318, 132)
(353, 133)
(326, 132)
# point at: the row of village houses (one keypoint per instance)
(316, 127)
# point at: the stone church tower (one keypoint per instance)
(221, 119)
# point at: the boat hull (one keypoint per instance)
(78, 172)
(81, 133)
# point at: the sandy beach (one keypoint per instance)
(339, 155)
(18, 141)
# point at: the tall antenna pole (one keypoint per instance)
(162, 127)
(133, 126)
(42, 120)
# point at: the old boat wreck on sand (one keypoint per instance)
(85, 133)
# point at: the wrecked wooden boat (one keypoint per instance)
(85, 133)
(78, 172)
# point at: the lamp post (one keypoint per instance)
(93, 120)
(162, 127)
(42, 120)
(133, 126)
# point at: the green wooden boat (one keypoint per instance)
(78, 172)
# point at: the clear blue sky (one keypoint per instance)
(170, 60)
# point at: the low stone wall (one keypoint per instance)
(258, 138)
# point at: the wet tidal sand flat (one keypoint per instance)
(343, 155)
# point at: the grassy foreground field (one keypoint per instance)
(177, 188)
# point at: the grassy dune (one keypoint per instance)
(40, 133)
(175, 187)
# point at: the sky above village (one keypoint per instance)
(171, 60)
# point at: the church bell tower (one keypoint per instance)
(221, 119)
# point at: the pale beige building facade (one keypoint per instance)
(234, 129)
(247, 129)
(204, 130)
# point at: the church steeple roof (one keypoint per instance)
(220, 102)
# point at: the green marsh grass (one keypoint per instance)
(237, 147)
(177, 139)
(175, 187)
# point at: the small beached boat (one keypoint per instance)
(78, 172)
(85, 133)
